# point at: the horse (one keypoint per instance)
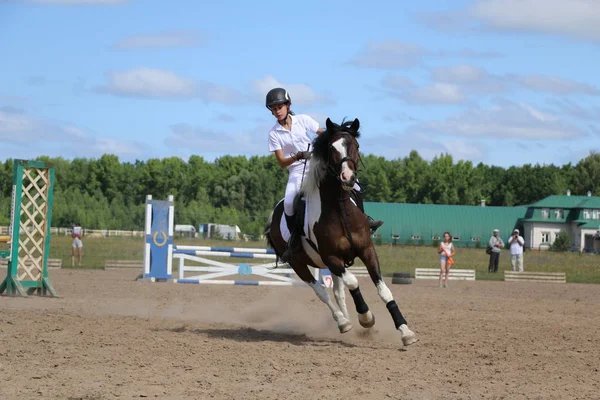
(338, 231)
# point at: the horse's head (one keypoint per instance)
(336, 149)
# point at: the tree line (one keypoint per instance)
(107, 193)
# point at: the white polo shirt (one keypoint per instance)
(515, 248)
(294, 140)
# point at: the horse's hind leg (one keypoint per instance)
(365, 316)
(343, 323)
(371, 261)
(340, 294)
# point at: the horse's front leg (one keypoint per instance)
(371, 261)
(365, 316)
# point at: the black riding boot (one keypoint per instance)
(373, 225)
(295, 243)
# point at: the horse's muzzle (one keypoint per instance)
(349, 184)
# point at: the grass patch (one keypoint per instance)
(581, 268)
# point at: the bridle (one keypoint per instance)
(336, 169)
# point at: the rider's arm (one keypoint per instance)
(284, 161)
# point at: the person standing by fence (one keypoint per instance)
(446, 251)
(495, 246)
(516, 244)
(77, 245)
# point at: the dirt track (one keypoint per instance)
(111, 337)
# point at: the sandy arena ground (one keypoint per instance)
(111, 337)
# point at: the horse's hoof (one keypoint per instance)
(345, 326)
(408, 336)
(366, 320)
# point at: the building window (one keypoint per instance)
(558, 214)
(596, 214)
(475, 239)
(545, 237)
(395, 236)
(545, 213)
(415, 237)
(456, 238)
(587, 214)
(436, 237)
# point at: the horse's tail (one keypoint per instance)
(267, 231)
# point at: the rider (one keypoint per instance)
(289, 141)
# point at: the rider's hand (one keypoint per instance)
(303, 155)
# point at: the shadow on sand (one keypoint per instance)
(245, 334)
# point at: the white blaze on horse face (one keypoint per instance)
(346, 173)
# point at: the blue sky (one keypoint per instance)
(505, 82)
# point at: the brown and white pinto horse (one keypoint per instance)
(337, 230)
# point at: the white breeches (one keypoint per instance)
(292, 188)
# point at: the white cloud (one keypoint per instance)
(163, 39)
(393, 54)
(500, 122)
(434, 93)
(572, 109)
(26, 134)
(428, 147)
(388, 54)
(575, 18)
(470, 78)
(447, 21)
(148, 82)
(208, 141)
(438, 92)
(556, 85)
(156, 83)
(301, 94)
(211, 92)
(15, 125)
(457, 83)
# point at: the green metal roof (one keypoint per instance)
(428, 220)
(557, 201)
(590, 224)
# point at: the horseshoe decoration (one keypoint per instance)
(164, 241)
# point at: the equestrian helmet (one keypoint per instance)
(277, 96)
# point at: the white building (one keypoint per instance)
(220, 231)
(579, 216)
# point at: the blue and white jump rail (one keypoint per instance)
(159, 252)
(213, 269)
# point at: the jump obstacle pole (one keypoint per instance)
(159, 252)
(29, 230)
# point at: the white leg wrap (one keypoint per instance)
(350, 280)
(344, 324)
(340, 294)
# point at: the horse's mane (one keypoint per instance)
(320, 153)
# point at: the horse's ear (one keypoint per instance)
(329, 125)
(355, 125)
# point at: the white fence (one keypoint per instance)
(105, 233)
(86, 232)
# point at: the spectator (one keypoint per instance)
(495, 245)
(77, 245)
(516, 244)
(446, 251)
